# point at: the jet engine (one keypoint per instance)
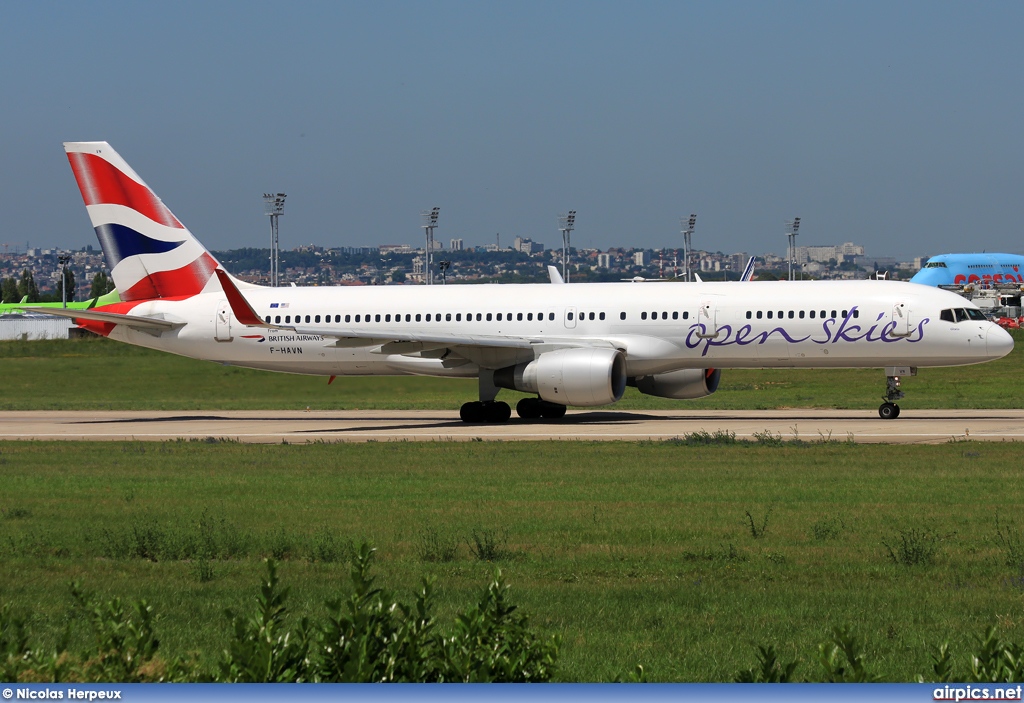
(681, 385)
(580, 376)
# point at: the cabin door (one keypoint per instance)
(222, 324)
(901, 320)
(707, 318)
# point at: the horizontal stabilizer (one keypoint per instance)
(110, 317)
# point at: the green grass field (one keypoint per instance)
(634, 553)
(99, 374)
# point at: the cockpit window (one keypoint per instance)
(935, 265)
(975, 314)
(946, 315)
(961, 314)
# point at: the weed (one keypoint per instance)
(1010, 541)
(326, 548)
(913, 547)
(202, 569)
(756, 531)
(488, 545)
(703, 437)
(15, 513)
(828, 528)
(768, 439)
(435, 547)
(281, 546)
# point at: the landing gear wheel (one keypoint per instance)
(472, 412)
(528, 408)
(497, 411)
(551, 411)
(888, 411)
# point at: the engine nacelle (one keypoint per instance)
(569, 376)
(681, 385)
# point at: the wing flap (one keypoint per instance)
(153, 323)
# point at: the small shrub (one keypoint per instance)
(843, 659)
(768, 669)
(281, 546)
(15, 513)
(996, 661)
(1009, 540)
(202, 569)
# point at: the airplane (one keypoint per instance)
(963, 269)
(19, 307)
(576, 344)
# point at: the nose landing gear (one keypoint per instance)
(889, 410)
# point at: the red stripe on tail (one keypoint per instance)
(179, 283)
(102, 184)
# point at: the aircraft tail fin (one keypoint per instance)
(149, 252)
(748, 271)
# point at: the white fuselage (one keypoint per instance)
(659, 327)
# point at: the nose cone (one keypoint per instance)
(998, 342)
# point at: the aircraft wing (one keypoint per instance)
(152, 323)
(389, 340)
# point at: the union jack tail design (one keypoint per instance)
(149, 252)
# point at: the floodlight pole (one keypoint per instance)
(64, 259)
(429, 223)
(566, 224)
(792, 228)
(688, 229)
(273, 207)
(444, 266)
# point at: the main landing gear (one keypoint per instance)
(487, 409)
(889, 410)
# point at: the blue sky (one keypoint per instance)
(894, 125)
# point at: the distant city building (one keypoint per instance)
(604, 261)
(455, 245)
(823, 254)
(525, 245)
(396, 249)
(642, 258)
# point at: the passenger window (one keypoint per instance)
(488, 317)
(748, 314)
(675, 314)
(664, 316)
(769, 314)
(499, 317)
(458, 317)
(790, 314)
(856, 313)
(376, 318)
(408, 317)
(946, 315)
(417, 317)
(277, 319)
(551, 316)
(529, 317)
(780, 314)
(287, 319)
(268, 319)
(801, 314)
(478, 317)
(758, 314)
(622, 316)
(591, 317)
(601, 316)
(823, 314)
(569, 316)
(643, 316)
(348, 318)
(833, 314)
(519, 316)
(844, 314)
(686, 315)
(812, 314)
(317, 319)
(387, 318)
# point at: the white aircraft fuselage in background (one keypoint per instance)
(578, 344)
